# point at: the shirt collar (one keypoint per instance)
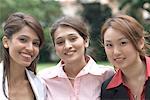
(117, 78)
(147, 66)
(91, 67)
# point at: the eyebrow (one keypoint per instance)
(122, 38)
(58, 38)
(72, 34)
(119, 39)
(37, 39)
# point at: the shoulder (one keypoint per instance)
(92, 65)
(48, 72)
(105, 93)
(106, 82)
(1, 69)
(98, 69)
(104, 87)
(106, 71)
(1, 65)
(33, 77)
(37, 85)
(114, 93)
(106, 68)
(109, 70)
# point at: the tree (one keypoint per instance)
(135, 9)
(95, 14)
(46, 11)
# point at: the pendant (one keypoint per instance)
(135, 97)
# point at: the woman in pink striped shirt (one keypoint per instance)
(76, 76)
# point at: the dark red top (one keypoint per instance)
(117, 80)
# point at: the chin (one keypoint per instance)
(26, 64)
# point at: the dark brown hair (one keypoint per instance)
(74, 22)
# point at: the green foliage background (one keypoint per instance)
(95, 14)
(46, 11)
(135, 8)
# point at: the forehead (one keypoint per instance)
(113, 34)
(27, 31)
(63, 31)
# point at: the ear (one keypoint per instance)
(5, 42)
(87, 42)
(141, 43)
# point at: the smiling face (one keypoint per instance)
(69, 45)
(23, 46)
(119, 49)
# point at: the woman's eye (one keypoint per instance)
(37, 44)
(108, 45)
(123, 43)
(59, 42)
(23, 40)
(73, 38)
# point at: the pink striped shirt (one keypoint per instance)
(87, 84)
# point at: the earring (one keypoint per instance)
(5, 42)
(5, 45)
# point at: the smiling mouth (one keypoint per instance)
(69, 53)
(119, 60)
(26, 56)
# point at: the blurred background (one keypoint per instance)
(93, 12)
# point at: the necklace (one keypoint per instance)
(135, 97)
(71, 78)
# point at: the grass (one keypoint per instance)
(104, 63)
(42, 66)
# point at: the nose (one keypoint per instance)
(117, 50)
(68, 44)
(29, 47)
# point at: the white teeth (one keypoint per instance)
(69, 53)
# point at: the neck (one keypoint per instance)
(73, 69)
(16, 73)
(134, 72)
(135, 79)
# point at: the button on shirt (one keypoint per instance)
(87, 84)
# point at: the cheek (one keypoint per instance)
(13, 52)
(37, 51)
(80, 45)
(108, 54)
(13, 49)
(81, 49)
(58, 50)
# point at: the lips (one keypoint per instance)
(119, 60)
(69, 52)
(27, 56)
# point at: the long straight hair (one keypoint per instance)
(13, 24)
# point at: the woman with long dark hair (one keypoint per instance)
(22, 39)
